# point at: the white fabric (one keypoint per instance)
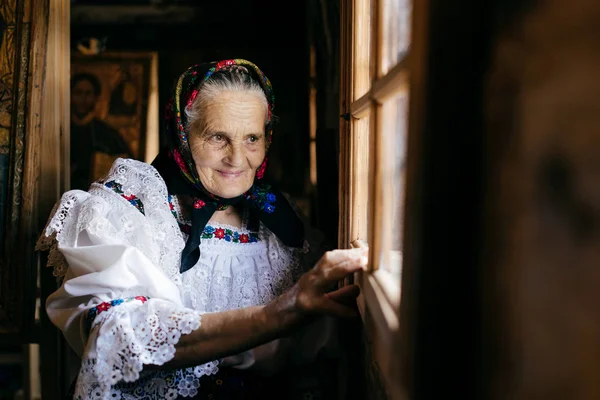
(104, 248)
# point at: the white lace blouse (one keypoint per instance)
(123, 302)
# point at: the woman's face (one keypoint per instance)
(229, 144)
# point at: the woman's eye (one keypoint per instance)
(253, 139)
(218, 138)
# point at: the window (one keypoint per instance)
(380, 103)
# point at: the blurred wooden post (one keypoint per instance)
(54, 180)
(542, 251)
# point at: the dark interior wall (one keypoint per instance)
(324, 31)
(261, 31)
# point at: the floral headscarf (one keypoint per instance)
(176, 166)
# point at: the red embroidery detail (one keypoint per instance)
(107, 305)
(260, 173)
(179, 160)
(244, 238)
(199, 204)
(192, 97)
(220, 233)
(224, 63)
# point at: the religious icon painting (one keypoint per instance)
(114, 112)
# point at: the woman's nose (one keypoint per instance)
(235, 156)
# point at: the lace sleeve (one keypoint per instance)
(129, 334)
(112, 247)
(59, 228)
(129, 206)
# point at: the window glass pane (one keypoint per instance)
(396, 19)
(362, 48)
(360, 165)
(394, 126)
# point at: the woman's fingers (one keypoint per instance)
(351, 265)
(343, 257)
(346, 294)
(338, 256)
(331, 268)
(328, 306)
(334, 273)
(359, 243)
(337, 264)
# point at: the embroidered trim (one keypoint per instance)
(185, 226)
(229, 235)
(132, 336)
(262, 198)
(225, 233)
(172, 207)
(199, 203)
(131, 198)
(107, 305)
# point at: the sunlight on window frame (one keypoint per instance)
(366, 196)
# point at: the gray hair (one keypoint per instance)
(235, 79)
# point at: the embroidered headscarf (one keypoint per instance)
(176, 165)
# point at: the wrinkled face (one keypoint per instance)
(83, 98)
(228, 146)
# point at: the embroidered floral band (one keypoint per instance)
(107, 305)
(131, 198)
(210, 232)
(262, 198)
(225, 234)
(229, 235)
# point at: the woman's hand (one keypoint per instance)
(226, 333)
(311, 294)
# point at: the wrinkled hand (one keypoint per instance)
(311, 295)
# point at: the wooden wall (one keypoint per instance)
(542, 253)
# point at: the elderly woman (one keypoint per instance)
(191, 277)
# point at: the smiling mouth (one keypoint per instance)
(230, 174)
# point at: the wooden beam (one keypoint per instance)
(132, 14)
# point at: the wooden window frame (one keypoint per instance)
(387, 319)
